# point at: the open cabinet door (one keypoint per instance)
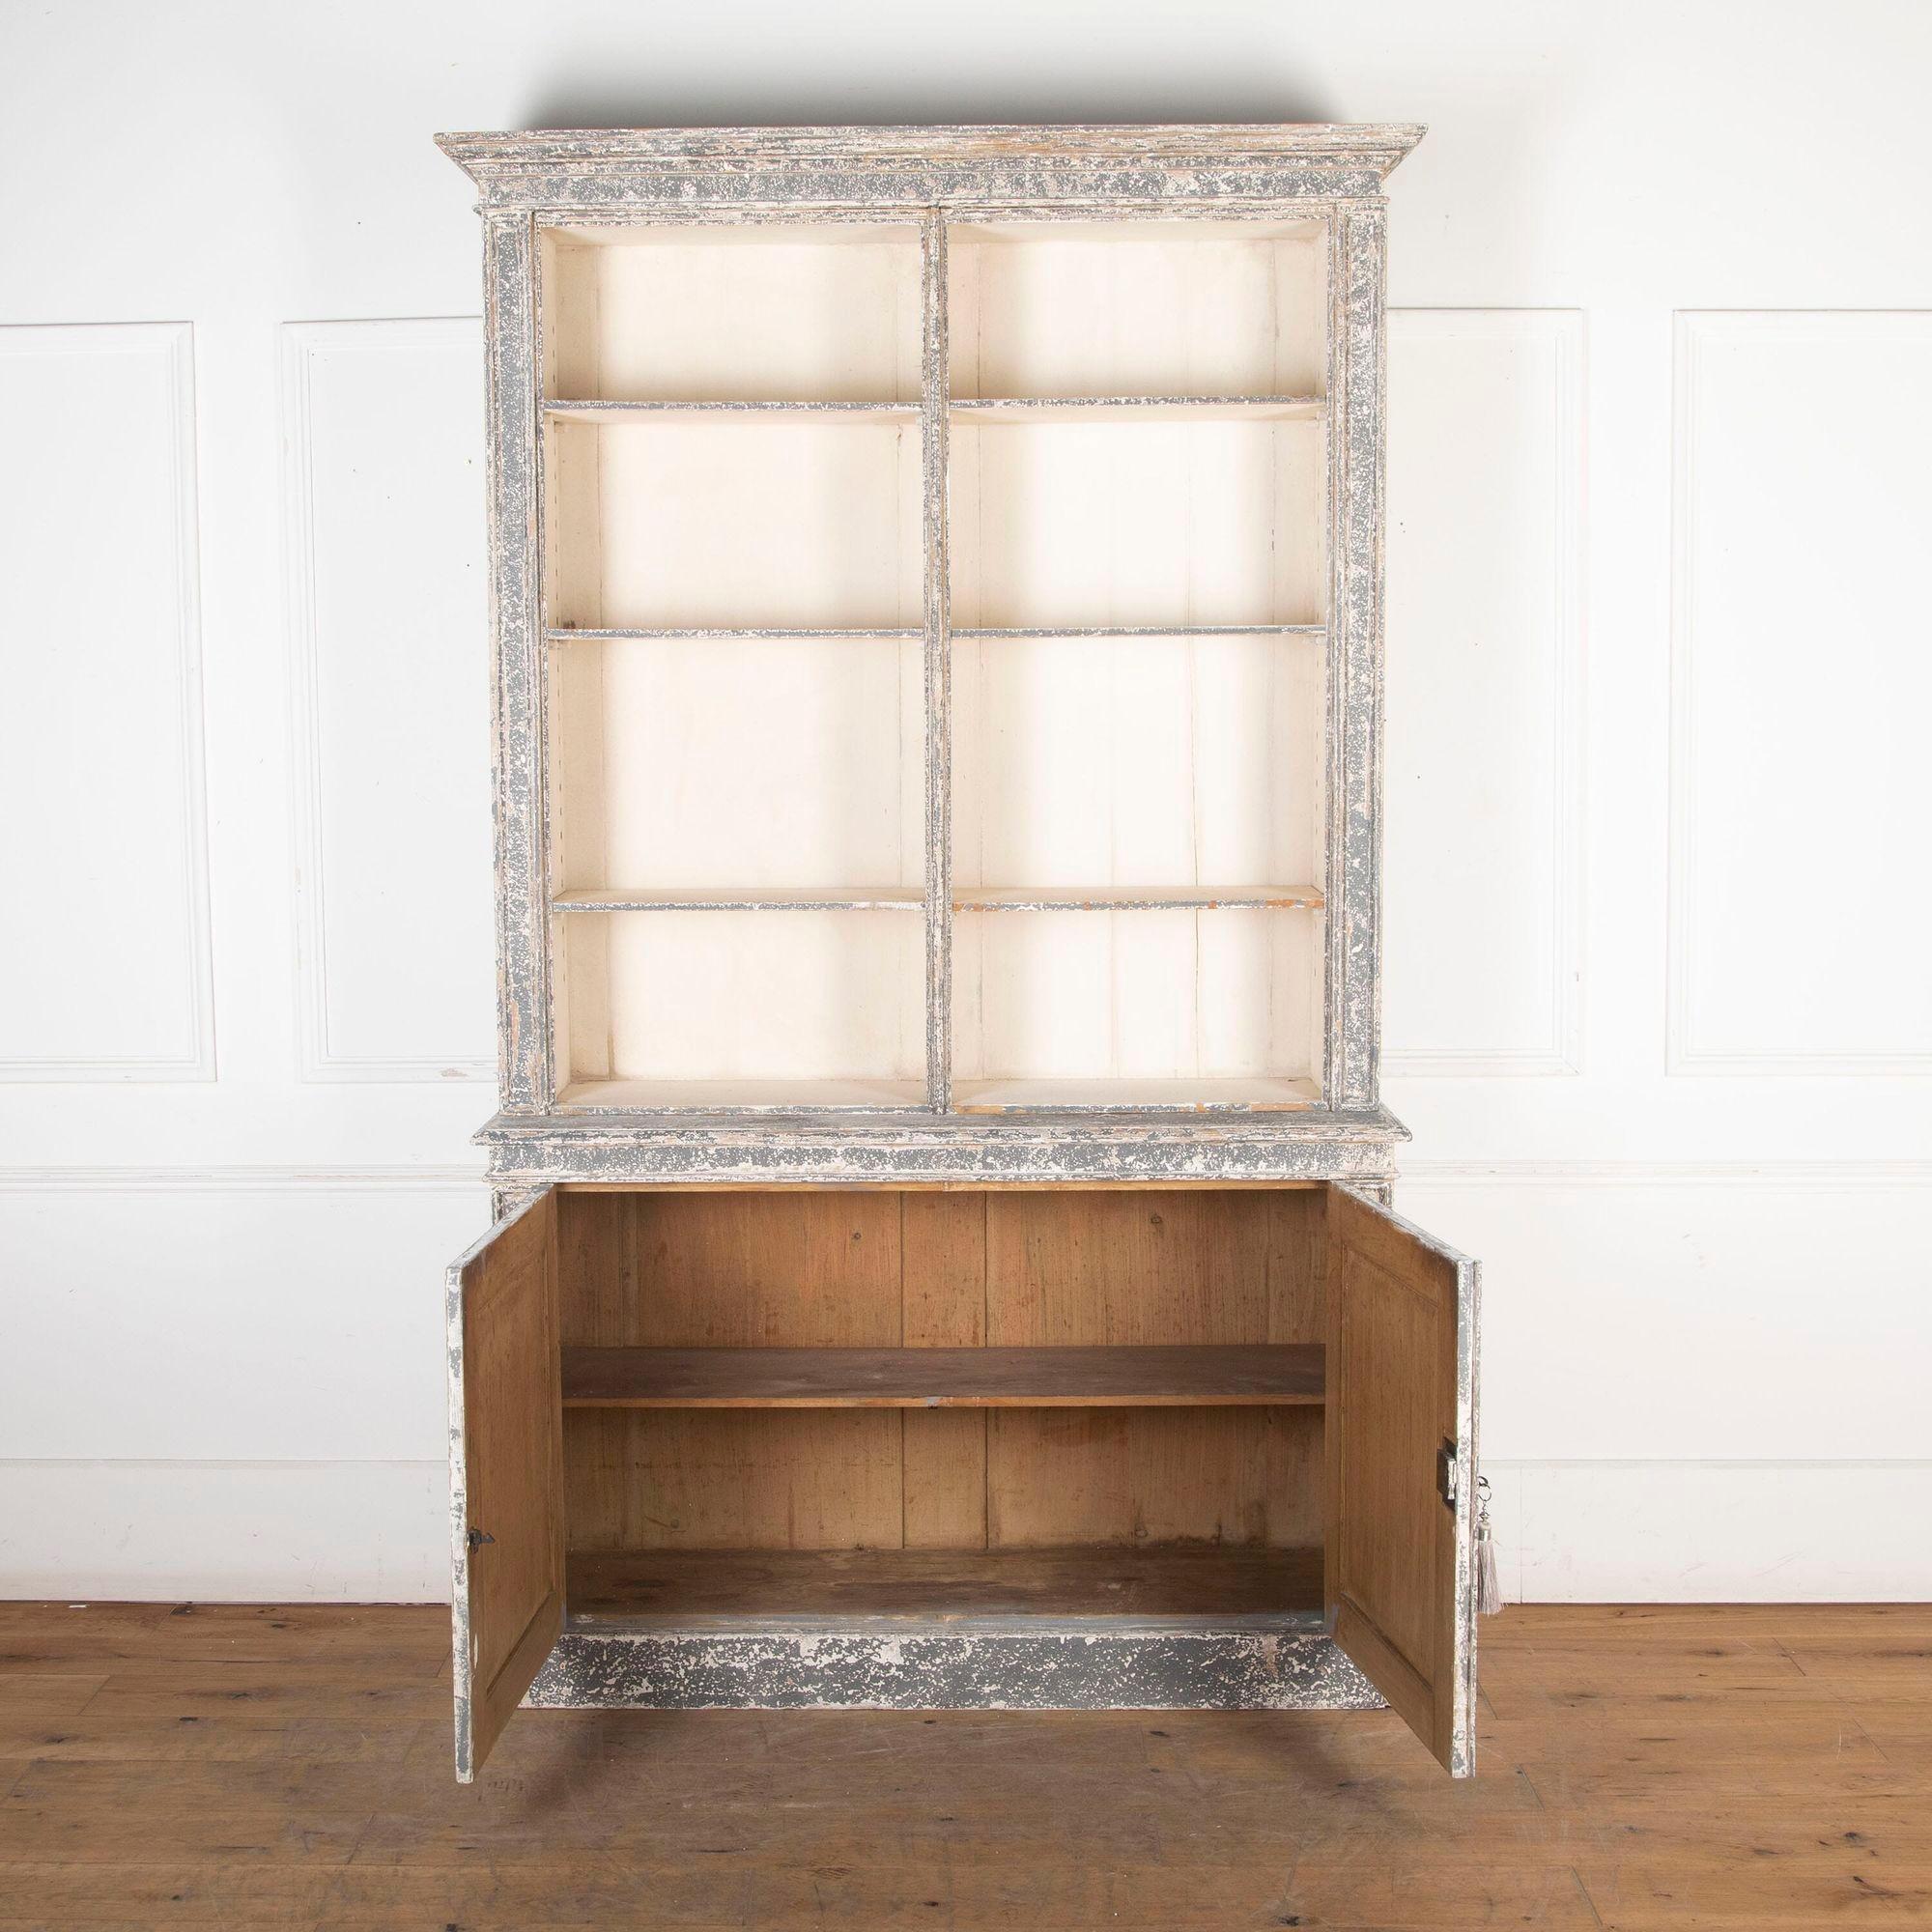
(505, 1471)
(1401, 1434)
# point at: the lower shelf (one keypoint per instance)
(1249, 1375)
(1188, 1094)
(1098, 1628)
(688, 1586)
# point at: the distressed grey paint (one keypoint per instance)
(885, 1148)
(1282, 1664)
(935, 176)
(518, 690)
(934, 385)
(602, 172)
(1356, 377)
(932, 176)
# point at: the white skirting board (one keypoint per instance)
(1722, 1532)
(162, 1531)
(378, 1532)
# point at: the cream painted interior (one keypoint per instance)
(817, 312)
(1139, 308)
(1150, 765)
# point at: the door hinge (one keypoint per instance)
(1445, 1472)
(479, 1537)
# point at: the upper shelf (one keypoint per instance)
(902, 634)
(1136, 898)
(970, 409)
(862, 413)
(966, 409)
(694, 898)
(1250, 1376)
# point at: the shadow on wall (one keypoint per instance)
(1212, 77)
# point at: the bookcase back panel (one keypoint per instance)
(1138, 522)
(1058, 1477)
(734, 520)
(746, 998)
(737, 764)
(1205, 1001)
(755, 312)
(1006, 1269)
(1143, 762)
(1202, 308)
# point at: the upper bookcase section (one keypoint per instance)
(587, 172)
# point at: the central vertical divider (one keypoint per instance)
(938, 618)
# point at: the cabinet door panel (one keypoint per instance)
(1402, 1433)
(505, 1471)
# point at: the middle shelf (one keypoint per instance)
(1249, 1375)
(965, 898)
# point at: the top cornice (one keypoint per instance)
(971, 166)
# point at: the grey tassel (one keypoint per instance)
(1489, 1586)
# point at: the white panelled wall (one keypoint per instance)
(1660, 975)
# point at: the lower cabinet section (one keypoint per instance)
(1060, 1447)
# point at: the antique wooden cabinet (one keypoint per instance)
(943, 1255)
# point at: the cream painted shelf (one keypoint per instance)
(1189, 1095)
(868, 898)
(1137, 409)
(596, 411)
(965, 898)
(736, 635)
(760, 1095)
(1130, 898)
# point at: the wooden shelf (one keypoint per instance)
(1181, 1094)
(1128, 898)
(965, 898)
(591, 411)
(1024, 632)
(1198, 1581)
(1252, 1374)
(777, 633)
(968, 409)
(830, 1095)
(748, 899)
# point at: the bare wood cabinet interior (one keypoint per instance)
(943, 1256)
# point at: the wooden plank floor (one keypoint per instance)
(1641, 1767)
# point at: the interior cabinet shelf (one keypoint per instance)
(766, 1094)
(687, 1587)
(597, 411)
(1058, 631)
(780, 634)
(965, 898)
(1248, 1376)
(1131, 1094)
(693, 898)
(1136, 408)
(1130, 898)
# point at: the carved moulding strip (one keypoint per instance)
(1287, 1666)
(926, 167)
(892, 1150)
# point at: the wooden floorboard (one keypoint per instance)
(1654, 1767)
